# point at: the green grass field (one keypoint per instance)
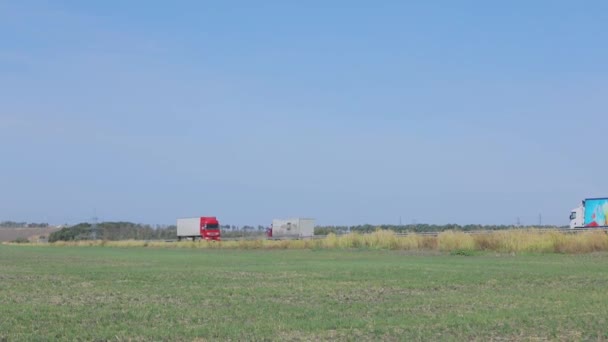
(105, 293)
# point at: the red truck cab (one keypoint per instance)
(210, 228)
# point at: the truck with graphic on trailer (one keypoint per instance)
(198, 228)
(592, 213)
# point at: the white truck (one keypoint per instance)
(592, 213)
(294, 227)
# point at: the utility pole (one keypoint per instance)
(94, 225)
(518, 222)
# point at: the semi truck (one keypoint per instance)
(294, 227)
(593, 212)
(198, 228)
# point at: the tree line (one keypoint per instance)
(127, 230)
(13, 224)
(417, 228)
(114, 231)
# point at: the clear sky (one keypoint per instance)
(346, 111)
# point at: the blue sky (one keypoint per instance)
(347, 111)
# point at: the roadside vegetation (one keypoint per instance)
(504, 241)
(114, 231)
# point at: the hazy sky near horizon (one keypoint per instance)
(346, 111)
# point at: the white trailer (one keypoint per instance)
(189, 227)
(294, 227)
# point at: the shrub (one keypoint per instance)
(463, 252)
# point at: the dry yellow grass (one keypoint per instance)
(451, 241)
(508, 241)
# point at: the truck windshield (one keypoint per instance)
(573, 215)
(212, 226)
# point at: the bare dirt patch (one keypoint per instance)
(32, 234)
